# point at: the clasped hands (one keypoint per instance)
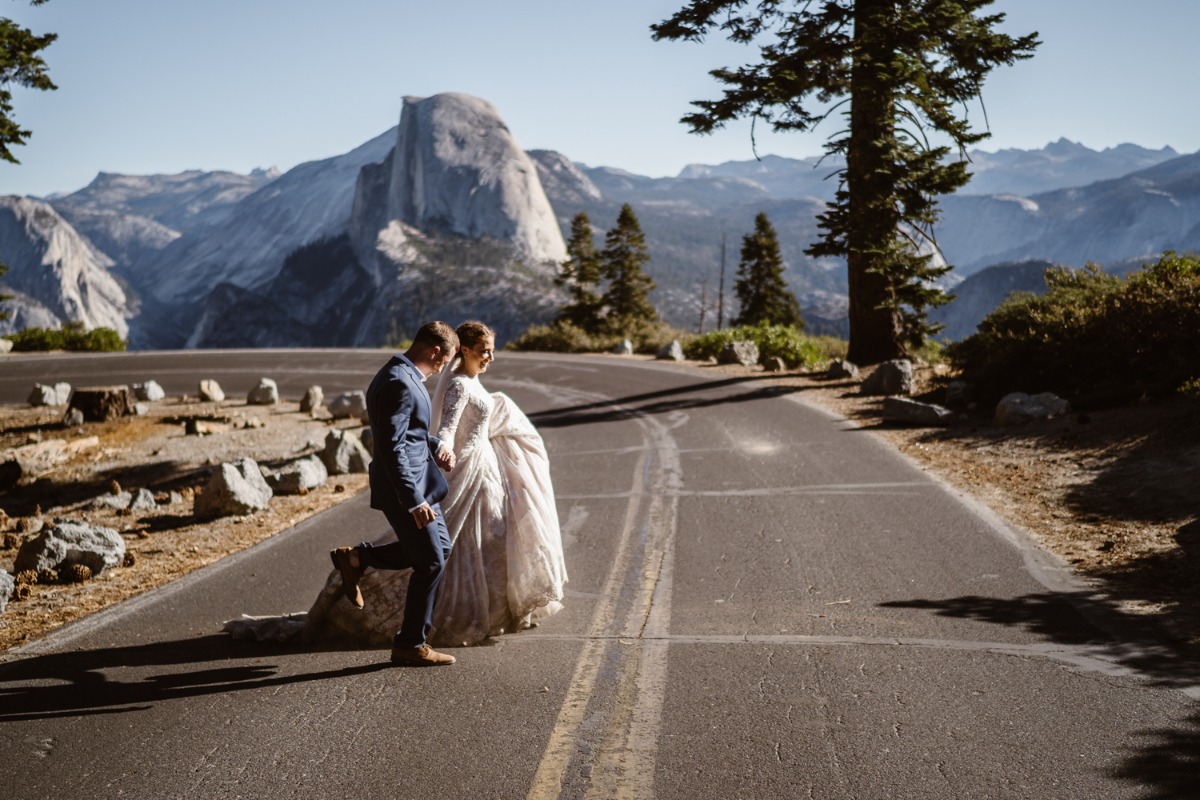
(424, 513)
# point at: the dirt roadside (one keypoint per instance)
(1115, 493)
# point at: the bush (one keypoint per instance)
(564, 337)
(71, 336)
(557, 337)
(1090, 333)
(773, 341)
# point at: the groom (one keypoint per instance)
(406, 487)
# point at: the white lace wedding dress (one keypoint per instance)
(506, 570)
(507, 567)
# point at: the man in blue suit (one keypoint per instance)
(406, 486)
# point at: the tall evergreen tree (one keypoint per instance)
(19, 64)
(628, 294)
(580, 273)
(904, 67)
(761, 290)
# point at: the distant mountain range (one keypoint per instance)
(445, 216)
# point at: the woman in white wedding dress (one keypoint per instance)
(506, 570)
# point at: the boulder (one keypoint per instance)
(102, 403)
(368, 440)
(623, 348)
(45, 395)
(344, 453)
(348, 405)
(671, 352)
(142, 500)
(1018, 408)
(266, 393)
(210, 391)
(73, 418)
(117, 501)
(744, 353)
(149, 392)
(890, 378)
(913, 412)
(314, 398)
(298, 476)
(841, 369)
(234, 490)
(774, 364)
(66, 543)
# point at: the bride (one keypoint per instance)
(506, 570)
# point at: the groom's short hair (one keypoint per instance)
(436, 334)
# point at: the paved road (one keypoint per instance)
(764, 603)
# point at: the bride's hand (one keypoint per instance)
(444, 459)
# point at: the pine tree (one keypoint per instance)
(761, 290)
(628, 295)
(904, 67)
(19, 64)
(580, 273)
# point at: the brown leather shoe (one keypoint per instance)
(350, 574)
(423, 656)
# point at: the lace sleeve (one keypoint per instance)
(453, 404)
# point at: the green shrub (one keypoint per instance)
(557, 337)
(71, 336)
(781, 341)
(560, 336)
(1090, 333)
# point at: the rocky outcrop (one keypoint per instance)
(890, 378)
(235, 489)
(457, 171)
(744, 353)
(344, 453)
(299, 476)
(185, 201)
(67, 543)
(61, 271)
(1018, 408)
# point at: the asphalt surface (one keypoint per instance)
(764, 602)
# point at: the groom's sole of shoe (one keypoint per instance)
(340, 557)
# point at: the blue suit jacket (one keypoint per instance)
(403, 472)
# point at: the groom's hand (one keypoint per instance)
(444, 459)
(423, 515)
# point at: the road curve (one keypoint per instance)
(764, 602)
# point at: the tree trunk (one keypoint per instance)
(874, 330)
(101, 403)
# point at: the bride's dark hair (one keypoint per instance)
(472, 333)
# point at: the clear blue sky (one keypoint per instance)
(160, 86)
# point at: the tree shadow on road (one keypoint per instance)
(1167, 758)
(86, 682)
(697, 395)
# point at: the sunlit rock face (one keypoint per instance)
(458, 171)
(57, 275)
